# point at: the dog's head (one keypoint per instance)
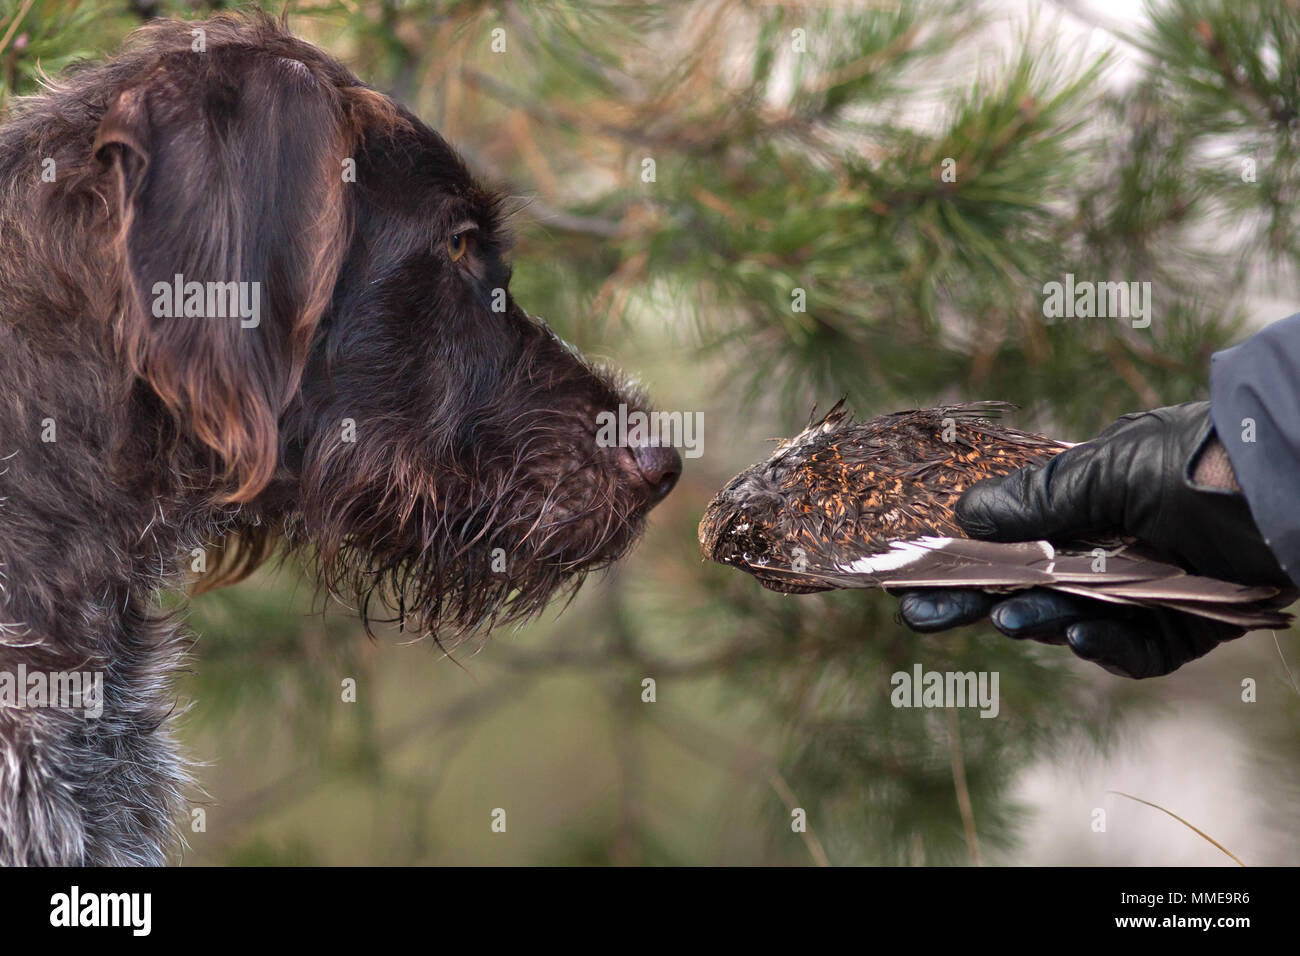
(316, 288)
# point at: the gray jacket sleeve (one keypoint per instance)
(1255, 404)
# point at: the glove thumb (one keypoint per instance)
(1050, 501)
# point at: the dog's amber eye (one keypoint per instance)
(457, 246)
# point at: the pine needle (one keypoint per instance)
(1201, 833)
(1289, 676)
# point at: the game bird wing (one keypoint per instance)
(1122, 575)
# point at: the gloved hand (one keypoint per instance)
(1138, 478)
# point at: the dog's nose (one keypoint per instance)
(660, 466)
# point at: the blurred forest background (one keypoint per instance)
(796, 145)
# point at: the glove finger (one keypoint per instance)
(939, 609)
(1141, 643)
(1125, 648)
(1043, 615)
(1051, 501)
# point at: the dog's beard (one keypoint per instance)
(481, 540)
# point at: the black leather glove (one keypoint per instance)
(1135, 479)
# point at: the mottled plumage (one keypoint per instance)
(849, 504)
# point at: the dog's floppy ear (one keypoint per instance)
(226, 168)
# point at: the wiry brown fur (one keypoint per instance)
(474, 427)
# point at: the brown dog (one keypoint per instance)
(240, 292)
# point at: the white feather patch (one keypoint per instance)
(900, 555)
(905, 553)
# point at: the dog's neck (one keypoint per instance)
(97, 778)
